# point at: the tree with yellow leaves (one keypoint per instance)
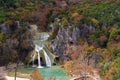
(36, 75)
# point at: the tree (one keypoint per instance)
(36, 75)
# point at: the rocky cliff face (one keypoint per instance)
(69, 35)
(16, 43)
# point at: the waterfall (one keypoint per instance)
(38, 49)
(41, 51)
(47, 59)
(33, 59)
(39, 62)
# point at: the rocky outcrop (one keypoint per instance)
(69, 35)
(16, 45)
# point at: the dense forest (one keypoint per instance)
(93, 28)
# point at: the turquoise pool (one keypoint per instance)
(54, 71)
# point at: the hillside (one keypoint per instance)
(86, 32)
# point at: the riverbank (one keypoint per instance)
(12, 78)
(4, 74)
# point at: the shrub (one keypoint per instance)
(2, 38)
(113, 33)
(36, 75)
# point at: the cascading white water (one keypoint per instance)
(39, 41)
(39, 62)
(33, 59)
(47, 59)
(39, 46)
(38, 49)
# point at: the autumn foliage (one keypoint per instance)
(36, 75)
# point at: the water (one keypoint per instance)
(39, 62)
(54, 71)
(47, 59)
(39, 41)
(47, 71)
(38, 52)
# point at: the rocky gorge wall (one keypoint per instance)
(69, 35)
(15, 43)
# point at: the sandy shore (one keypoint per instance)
(3, 75)
(12, 78)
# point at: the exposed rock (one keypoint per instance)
(17, 43)
(70, 35)
(4, 29)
